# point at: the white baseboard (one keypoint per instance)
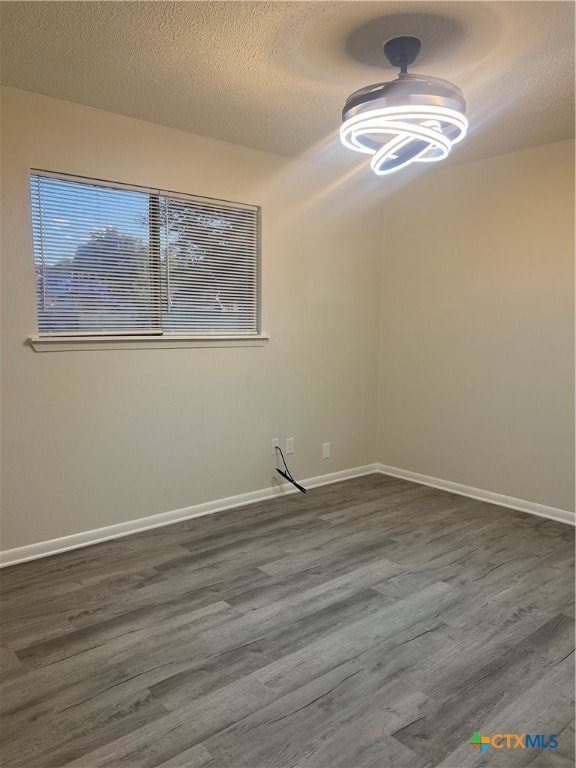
(541, 510)
(86, 538)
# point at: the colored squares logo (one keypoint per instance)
(479, 742)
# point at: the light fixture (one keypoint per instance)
(411, 119)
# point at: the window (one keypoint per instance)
(117, 260)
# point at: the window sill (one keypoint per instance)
(172, 341)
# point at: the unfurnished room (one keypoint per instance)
(288, 409)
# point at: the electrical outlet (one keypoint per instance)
(290, 445)
(325, 450)
(275, 444)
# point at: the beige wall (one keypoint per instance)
(471, 310)
(477, 327)
(96, 438)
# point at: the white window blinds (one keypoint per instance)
(112, 259)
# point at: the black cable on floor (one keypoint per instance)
(288, 475)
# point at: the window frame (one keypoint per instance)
(151, 339)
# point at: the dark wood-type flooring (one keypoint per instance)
(371, 623)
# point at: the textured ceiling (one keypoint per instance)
(274, 75)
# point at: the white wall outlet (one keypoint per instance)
(290, 445)
(325, 450)
(275, 443)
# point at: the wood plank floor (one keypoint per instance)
(370, 623)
